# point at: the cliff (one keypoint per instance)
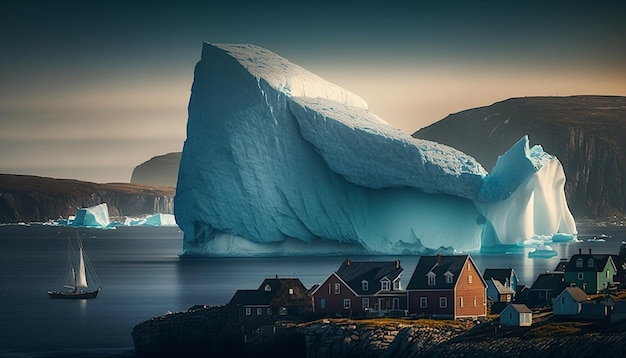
(586, 133)
(159, 170)
(35, 199)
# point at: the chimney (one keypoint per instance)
(397, 264)
(590, 251)
(580, 251)
(438, 259)
(347, 262)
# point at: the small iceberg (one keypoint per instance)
(597, 239)
(561, 237)
(543, 251)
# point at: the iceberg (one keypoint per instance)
(278, 161)
(94, 216)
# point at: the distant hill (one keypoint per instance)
(35, 199)
(160, 170)
(586, 133)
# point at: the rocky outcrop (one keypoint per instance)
(36, 199)
(159, 170)
(214, 332)
(586, 133)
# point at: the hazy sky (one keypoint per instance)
(90, 89)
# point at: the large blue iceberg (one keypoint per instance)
(278, 161)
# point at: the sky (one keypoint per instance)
(90, 89)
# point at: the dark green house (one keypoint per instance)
(592, 273)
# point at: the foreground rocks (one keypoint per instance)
(215, 331)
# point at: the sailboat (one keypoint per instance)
(79, 269)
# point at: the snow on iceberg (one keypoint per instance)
(278, 161)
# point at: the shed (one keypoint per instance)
(570, 302)
(518, 315)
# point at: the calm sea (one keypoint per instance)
(143, 276)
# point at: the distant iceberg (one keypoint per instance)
(98, 217)
(278, 161)
(95, 216)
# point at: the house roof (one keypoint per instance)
(500, 287)
(577, 294)
(549, 281)
(252, 297)
(439, 265)
(521, 308)
(263, 296)
(353, 273)
(599, 262)
(499, 274)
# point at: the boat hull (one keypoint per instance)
(74, 295)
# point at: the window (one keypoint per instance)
(607, 273)
(431, 279)
(443, 302)
(579, 262)
(269, 311)
(365, 303)
(259, 311)
(474, 301)
(337, 288)
(460, 301)
(282, 311)
(323, 303)
(581, 275)
(590, 262)
(365, 285)
(396, 284)
(268, 287)
(384, 285)
(449, 279)
(423, 302)
(291, 291)
(469, 268)
(346, 303)
(396, 304)
(469, 278)
(248, 311)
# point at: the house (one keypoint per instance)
(592, 273)
(447, 287)
(507, 278)
(620, 265)
(544, 290)
(501, 287)
(276, 298)
(619, 312)
(515, 314)
(570, 302)
(360, 289)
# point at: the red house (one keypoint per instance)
(447, 287)
(360, 289)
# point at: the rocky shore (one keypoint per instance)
(214, 331)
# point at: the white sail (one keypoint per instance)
(81, 276)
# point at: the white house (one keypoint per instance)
(569, 302)
(518, 315)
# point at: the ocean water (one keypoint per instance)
(143, 277)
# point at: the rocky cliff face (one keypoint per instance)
(31, 198)
(160, 170)
(586, 133)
